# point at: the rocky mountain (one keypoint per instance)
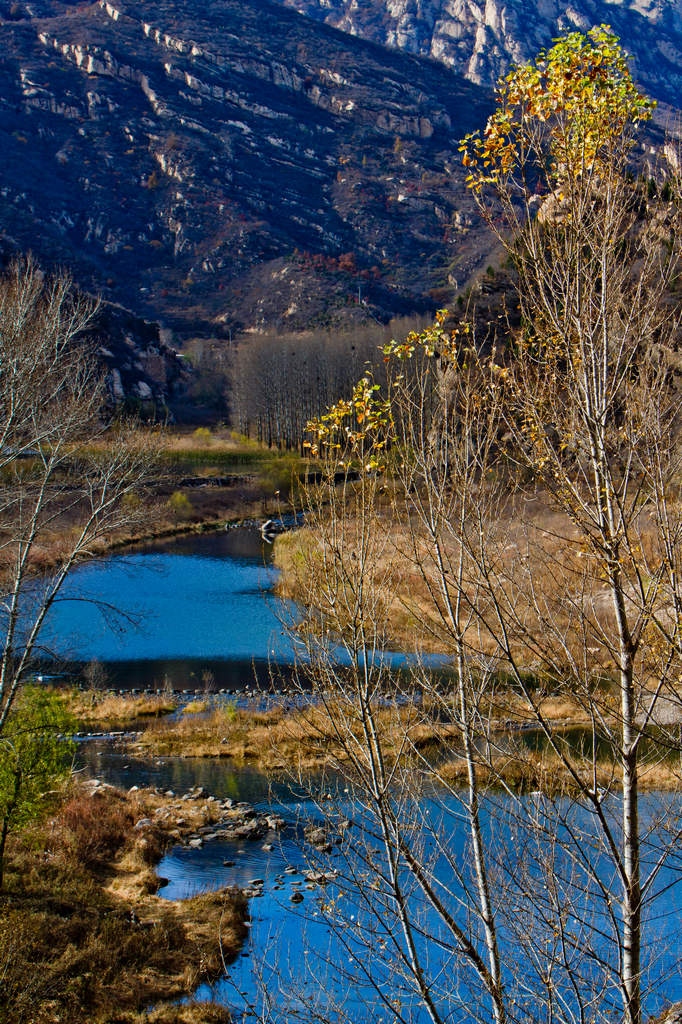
(481, 38)
(233, 165)
(143, 373)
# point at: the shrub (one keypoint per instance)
(131, 501)
(180, 504)
(93, 828)
(202, 435)
(34, 757)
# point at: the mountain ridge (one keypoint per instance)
(481, 38)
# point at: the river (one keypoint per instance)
(186, 612)
(192, 613)
(205, 605)
(302, 954)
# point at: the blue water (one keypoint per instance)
(206, 604)
(174, 610)
(319, 949)
(317, 952)
(283, 936)
(180, 612)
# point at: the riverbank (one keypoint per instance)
(318, 738)
(314, 737)
(83, 935)
(194, 483)
(551, 591)
(203, 480)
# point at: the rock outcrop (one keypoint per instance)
(143, 372)
(481, 38)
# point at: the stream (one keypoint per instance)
(192, 612)
(205, 616)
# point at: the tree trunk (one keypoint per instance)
(632, 896)
(3, 840)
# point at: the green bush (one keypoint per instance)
(34, 756)
(180, 504)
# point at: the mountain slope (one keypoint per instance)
(481, 38)
(233, 165)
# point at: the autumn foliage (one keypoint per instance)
(568, 111)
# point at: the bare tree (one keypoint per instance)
(67, 477)
(281, 381)
(380, 720)
(518, 512)
(591, 413)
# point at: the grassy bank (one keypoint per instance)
(103, 711)
(394, 587)
(317, 737)
(276, 739)
(84, 938)
(195, 482)
(528, 771)
(536, 563)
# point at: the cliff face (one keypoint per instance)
(141, 370)
(481, 38)
(232, 166)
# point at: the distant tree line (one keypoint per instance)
(281, 381)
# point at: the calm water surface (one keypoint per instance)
(291, 950)
(175, 610)
(205, 604)
(283, 935)
(193, 611)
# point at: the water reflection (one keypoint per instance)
(118, 766)
(179, 611)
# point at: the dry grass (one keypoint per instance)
(207, 440)
(504, 708)
(321, 737)
(527, 771)
(197, 707)
(189, 1013)
(82, 936)
(539, 562)
(167, 440)
(172, 457)
(208, 512)
(317, 735)
(110, 711)
(310, 738)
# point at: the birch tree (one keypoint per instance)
(518, 511)
(66, 480)
(591, 414)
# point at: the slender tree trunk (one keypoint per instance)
(474, 813)
(632, 895)
(632, 901)
(3, 841)
(478, 846)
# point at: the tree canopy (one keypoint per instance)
(35, 754)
